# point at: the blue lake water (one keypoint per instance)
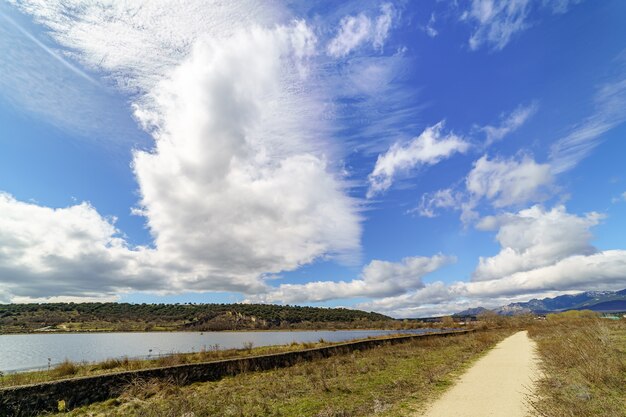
(22, 352)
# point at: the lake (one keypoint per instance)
(21, 352)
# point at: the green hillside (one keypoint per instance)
(16, 318)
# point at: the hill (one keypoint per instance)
(607, 306)
(17, 318)
(601, 301)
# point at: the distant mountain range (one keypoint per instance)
(600, 301)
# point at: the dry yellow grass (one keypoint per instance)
(385, 381)
(584, 366)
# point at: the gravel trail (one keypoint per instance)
(496, 385)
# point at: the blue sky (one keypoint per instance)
(412, 158)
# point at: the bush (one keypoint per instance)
(65, 368)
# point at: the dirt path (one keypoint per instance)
(496, 385)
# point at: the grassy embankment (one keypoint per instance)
(386, 381)
(583, 364)
(69, 369)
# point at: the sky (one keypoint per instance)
(409, 158)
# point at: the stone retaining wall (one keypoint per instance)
(31, 400)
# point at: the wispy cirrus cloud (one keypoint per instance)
(138, 43)
(560, 6)
(431, 203)
(496, 22)
(509, 123)
(372, 105)
(63, 95)
(609, 103)
(51, 52)
(620, 198)
(355, 31)
(430, 26)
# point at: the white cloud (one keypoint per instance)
(432, 294)
(610, 101)
(534, 238)
(241, 181)
(496, 21)
(355, 31)
(429, 148)
(446, 198)
(75, 253)
(499, 182)
(234, 181)
(515, 181)
(543, 252)
(508, 182)
(438, 299)
(430, 27)
(139, 42)
(382, 26)
(600, 271)
(503, 182)
(71, 251)
(560, 6)
(377, 279)
(64, 299)
(620, 198)
(508, 124)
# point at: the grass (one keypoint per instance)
(583, 365)
(386, 381)
(65, 369)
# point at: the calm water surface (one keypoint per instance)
(31, 351)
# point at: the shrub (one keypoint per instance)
(65, 368)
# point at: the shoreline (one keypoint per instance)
(188, 353)
(138, 362)
(79, 390)
(214, 331)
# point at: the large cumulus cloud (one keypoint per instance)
(242, 180)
